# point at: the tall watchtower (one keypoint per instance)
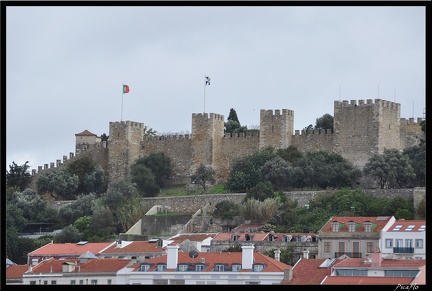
(276, 129)
(365, 128)
(207, 134)
(124, 147)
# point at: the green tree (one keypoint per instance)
(226, 209)
(286, 255)
(131, 211)
(245, 172)
(34, 208)
(94, 181)
(233, 124)
(324, 122)
(417, 159)
(421, 208)
(119, 191)
(144, 180)
(18, 176)
(234, 248)
(58, 183)
(68, 234)
(290, 154)
(104, 137)
(260, 192)
(159, 164)
(83, 168)
(148, 131)
(203, 175)
(81, 207)
(389, 169)
(278, 172)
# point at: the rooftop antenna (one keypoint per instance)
(339, 93)
(413, 109)
(395, 95)
(378, 91)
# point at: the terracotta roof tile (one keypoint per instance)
(70, 249)
(379, 223)
(86, 133)
(366, 280)
(308, 272)
(16, 271)
(133, 247)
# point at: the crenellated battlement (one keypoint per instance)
(369, 102)
(361, 128)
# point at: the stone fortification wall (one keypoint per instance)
(235, 146)
(178, 148)
(124, 147)
(276, 129)
(191, 204)
(410, 132)
(313, 140)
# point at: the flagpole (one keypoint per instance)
(205, 85)
(121, 117)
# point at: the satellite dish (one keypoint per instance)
(193, 254)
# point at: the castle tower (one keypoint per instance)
(124, 147)
(84, 140)
(364, 129)
(207, 134)
(276, 129)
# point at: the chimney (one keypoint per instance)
(305, 254)
(277, 254)
(376, 259)
(172, 256)
(247, 256)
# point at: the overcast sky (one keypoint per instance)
(66, 67)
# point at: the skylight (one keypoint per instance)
(410, 227)
(422, 228)
(397, 227)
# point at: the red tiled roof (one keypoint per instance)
(212, 258)
(134, 247)
(16, 271)
(308, 272)
(414, 225)
(254, 236)
(92, 265)
(70, 249)
(379, 221)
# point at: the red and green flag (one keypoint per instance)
(125, 89)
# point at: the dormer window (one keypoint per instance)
(351, 226)
(234, 237)
(183, 267)
(236, 267)
(161, 267)
(368, 226)
(335, 226)
(219, 268)
(248, 237)
(258, 267)
(144, 267)
(199, 267)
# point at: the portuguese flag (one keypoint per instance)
(125, 89)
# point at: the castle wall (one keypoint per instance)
(356, 130)
(310, 141)
(410, 132)
(124, 147)
(178, 148)
(276, 129)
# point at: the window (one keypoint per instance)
(389, 243)
(236, 267)
(341, 247)
(73, 282)
(258, 267)
(399, 243)
(419, 243)
(161, 267)
(219, 268)
(81, 282)
(109, 282)
(335, 226)
(53, 282)
(183, 267)
(409, 243)
(199, 267)
(351, 226)
(410, 227)
(327, 246)
(351, 272)
(32, 282)
(160, 282)
(401, 273)
(369, 247)
(368, 226)
(144, 267)
(93, 282)
(356, 247)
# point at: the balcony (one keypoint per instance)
(403, 250)
(349, 254)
